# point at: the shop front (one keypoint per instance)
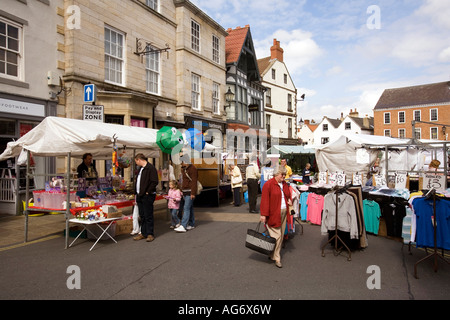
(18, 115)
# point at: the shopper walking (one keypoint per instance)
(236, 184)
(189, 176)
(275, 201)
(146, 182)
(252, 175)
(306, 174)
(174, 196)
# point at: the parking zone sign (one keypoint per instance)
(93, 113)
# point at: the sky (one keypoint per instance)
(342, 54)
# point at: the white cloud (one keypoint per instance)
(444, 56)
(335, 71)
(300, 49)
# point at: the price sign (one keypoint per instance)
(322, 178)
(380, 180)
(400, 180)
(436, 181)
(357, 179)
(340, 179)
(332, 179)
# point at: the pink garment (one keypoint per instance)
(174, 197)
(315, 207)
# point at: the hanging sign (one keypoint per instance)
(357, 179)
(436, 181)
(323, 178)
(400, 180)
(379, 180)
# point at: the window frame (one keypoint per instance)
(195, 35)
(152, 68)
(216, 98)
(431, 114)
(195, 92)
(112, 57)
(399, 116)
(19, 54)
(215, 48)
(386, 114)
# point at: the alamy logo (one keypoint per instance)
(74, 280)
(74, 18)
(374, 21)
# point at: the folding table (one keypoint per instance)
(85, 223)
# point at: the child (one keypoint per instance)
(174, 196)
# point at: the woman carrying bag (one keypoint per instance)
(275, 202)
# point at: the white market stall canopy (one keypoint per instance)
(56, 136)
(285, 149)
(350, 153)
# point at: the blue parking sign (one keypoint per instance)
(90, 93)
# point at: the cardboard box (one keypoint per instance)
(117, 214)
(124, 226)
(97, 231)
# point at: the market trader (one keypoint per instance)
(87, 169)
(146, 182)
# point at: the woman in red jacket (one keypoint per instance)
(275, 201)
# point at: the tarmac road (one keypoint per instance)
(211, 262)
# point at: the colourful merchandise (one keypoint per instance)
(423, 209)
(372, 214)
(304, 205)
(315, 207)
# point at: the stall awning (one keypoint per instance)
(286, 149)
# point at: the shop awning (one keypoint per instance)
(286, 149)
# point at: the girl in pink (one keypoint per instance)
(174, 196)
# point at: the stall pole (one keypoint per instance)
(68, 201)
(27, 194)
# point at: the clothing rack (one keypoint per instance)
(435, 254)
(337, 251)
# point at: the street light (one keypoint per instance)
(229, 97)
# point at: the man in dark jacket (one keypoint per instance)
(146, 182)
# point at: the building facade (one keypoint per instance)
(423, 108)
(30, 66)
(245, 114)
(280, 97)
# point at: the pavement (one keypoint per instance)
(209, 263)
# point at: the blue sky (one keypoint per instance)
(343, 53)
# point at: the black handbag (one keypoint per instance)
(260, 242)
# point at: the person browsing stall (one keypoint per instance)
(252, 175)
(236, 184)
(146, 183)
(189, 176)
(275, 201)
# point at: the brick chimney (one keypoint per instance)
(275, 51)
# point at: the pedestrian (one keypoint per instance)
(306, 174)
(275, 201)
(284, 164)
(174, 196)
(189, 176)
(252, 175)
(374, 169)
(146, 182)
(266, 173)
(236, 184)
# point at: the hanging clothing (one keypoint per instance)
(315, 207)
(423, 209)
(372, 215)
(347, 219)
(304, 205)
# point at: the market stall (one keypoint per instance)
(62, 137)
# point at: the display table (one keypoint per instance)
(85, 223)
